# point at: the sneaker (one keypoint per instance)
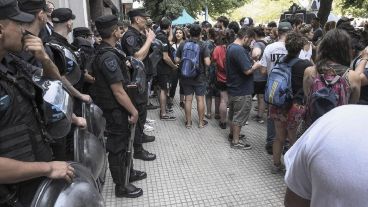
(222, 125)
(167, 118)
(148, 128)
(246, 123)
(240, 145)
(152, 107)
(169, 111)
(260, 120)
(275, 169)
(150, 121)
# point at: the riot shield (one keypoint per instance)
(82, 192)
(89, 151)
(57, 106)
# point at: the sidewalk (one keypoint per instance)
(197, 167)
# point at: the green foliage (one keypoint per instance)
(173, 8)
(356, 8)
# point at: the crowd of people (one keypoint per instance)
(230, 63)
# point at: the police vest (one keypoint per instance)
(100, 90)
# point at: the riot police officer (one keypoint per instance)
(24, 152)
(136, 44)
(108, 91)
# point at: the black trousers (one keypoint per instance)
(138, 139)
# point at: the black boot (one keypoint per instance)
(130, 191)
(136, 175)
(144, 155)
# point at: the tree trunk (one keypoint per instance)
(324, 11)
(97, 8)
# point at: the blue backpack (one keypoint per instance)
(278, 89)
(190, 60)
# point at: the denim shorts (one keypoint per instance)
(197, 89)
(239, 109)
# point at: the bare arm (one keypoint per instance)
(143, 52)
(13, 171)
(35, 45)
(364, 79)
(354, 79)
(364, 59)
(293, 200)
(251, 70)
(168, 60)
(74, 92)
(123, 99)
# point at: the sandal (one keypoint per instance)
(167, 118)
(187, 125)
(205, 123)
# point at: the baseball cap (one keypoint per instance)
(81, 31)
(9, 10)
(30, 6)
(62, 15)
(137, 12)
(106, 21)
(285, 26)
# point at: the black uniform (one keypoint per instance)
(132, 42)
(20, 123)
(109, 68)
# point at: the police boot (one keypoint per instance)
(129, 191)
(143, 154)
(136, 175)
(147, 138)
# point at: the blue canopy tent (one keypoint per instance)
(185, 18)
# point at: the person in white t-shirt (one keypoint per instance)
(272, 53)
(328, 165)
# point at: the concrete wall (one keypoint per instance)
(79, 7)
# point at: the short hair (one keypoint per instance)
(224, 20)
(271, 24)
(294, 43)
(212, 34)
(206, 24)
(106, 33)
(246, 32)
(165, 23)
(305, 29)
(195, 30)
(259, 31)
(234, 26)
(241, 21)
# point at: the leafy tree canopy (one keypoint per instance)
(173, 8)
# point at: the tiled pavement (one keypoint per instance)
(197, 167)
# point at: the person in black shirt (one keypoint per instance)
(164, 68)
(109, 94)
(134, 43)
(24, 154)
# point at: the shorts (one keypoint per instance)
(259, 87)
(197, 89)
(212, 91)
(221, 86)
(290, 117)
(163, 81)
(239, 109)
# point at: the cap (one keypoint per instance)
(248, 21)
(137, 12)
(30, 6)
(344, 20)
(285, 26)
(62, 15)
(104, 22)
(10, 10)
(81, 31)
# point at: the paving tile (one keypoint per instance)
(197, 167)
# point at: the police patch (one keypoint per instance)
(111, 64)
(131, 41)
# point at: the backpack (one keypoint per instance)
(190, 60)
(278, 90)
(220, 62)
(327, 92)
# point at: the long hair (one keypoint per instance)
(335, 46)
(174, 35)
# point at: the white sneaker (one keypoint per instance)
(150, 121)
(148, 128)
